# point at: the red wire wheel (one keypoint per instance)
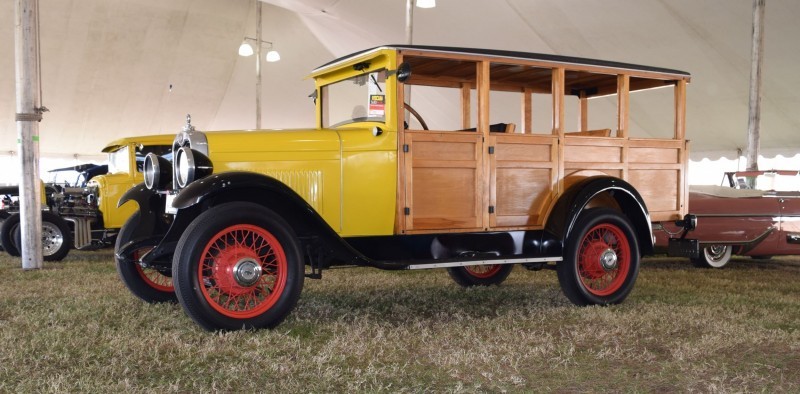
(148, 284)
(604, 259)
(483, 271)
(243, 271)
(152, 277)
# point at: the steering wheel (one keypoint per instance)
(416, 115)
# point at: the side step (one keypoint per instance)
(484, 262)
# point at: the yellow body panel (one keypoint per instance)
(111, 187)
(348, 176)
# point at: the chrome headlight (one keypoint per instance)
(190, 165)
(157, 172)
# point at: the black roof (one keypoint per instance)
(518, 55)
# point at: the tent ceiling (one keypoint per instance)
(108, 64)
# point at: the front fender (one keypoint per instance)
(224, 182)
(269, 192)
(150, 222)
(565, 212)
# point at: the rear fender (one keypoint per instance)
(601, 190)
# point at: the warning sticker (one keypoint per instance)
(377, 105)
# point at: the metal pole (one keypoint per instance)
(29, 113)
(258, 64)
(757, 60)
(409, 21)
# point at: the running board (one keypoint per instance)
(484, 262)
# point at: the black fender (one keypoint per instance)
(271, 193)
(565, 212)
(151, 225)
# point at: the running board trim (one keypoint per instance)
(484, 262)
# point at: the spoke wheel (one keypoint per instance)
(243, 271)
(152, 277)
(480, 275)
(601, 259)
(148, 284)
(238, 265)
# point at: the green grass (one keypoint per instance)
(73, 327)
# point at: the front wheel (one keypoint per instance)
(8, 230)
(238, 266)
(56, 237)
(713, 256)
(480, 275)
(148, 284)
(601, 259)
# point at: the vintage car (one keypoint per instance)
(84, 214)
(228, 227)
(755, 213)
(60, 198)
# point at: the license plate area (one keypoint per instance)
(682, 247)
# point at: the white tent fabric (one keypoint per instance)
(108, 64)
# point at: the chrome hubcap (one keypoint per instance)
(608, 259)
(247, 272)
(52, 239)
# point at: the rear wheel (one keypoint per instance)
(713, 256)
(601, 259)
(480, 275)
(238, 265)
(148, 284)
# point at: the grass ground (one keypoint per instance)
(73, 327)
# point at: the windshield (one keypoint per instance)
(358, 99)
(771, 182)
(118, 161)
(164, 151)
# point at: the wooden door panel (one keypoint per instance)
(444, 175)
(523, 172)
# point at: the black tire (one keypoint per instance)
(10, 225)
(56, 237)
(713, 256)
(480, 275)
(601, 259)
(3, 216)
(257, 289)
(147, 284)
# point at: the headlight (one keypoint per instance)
(157, 172)
(190, 165)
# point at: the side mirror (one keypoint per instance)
(403, 72)
(313, 96)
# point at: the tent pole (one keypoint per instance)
(28, 116)
(258, 64)
(409, 21)
(757, 60)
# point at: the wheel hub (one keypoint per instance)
(247, 272)
(608, 259)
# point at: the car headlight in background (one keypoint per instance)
(157, 172)
(190, 165)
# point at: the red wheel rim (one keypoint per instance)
(153, 278)
(227, 268)
(483, 271)
(604, 259)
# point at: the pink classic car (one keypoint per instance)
(756, 213)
